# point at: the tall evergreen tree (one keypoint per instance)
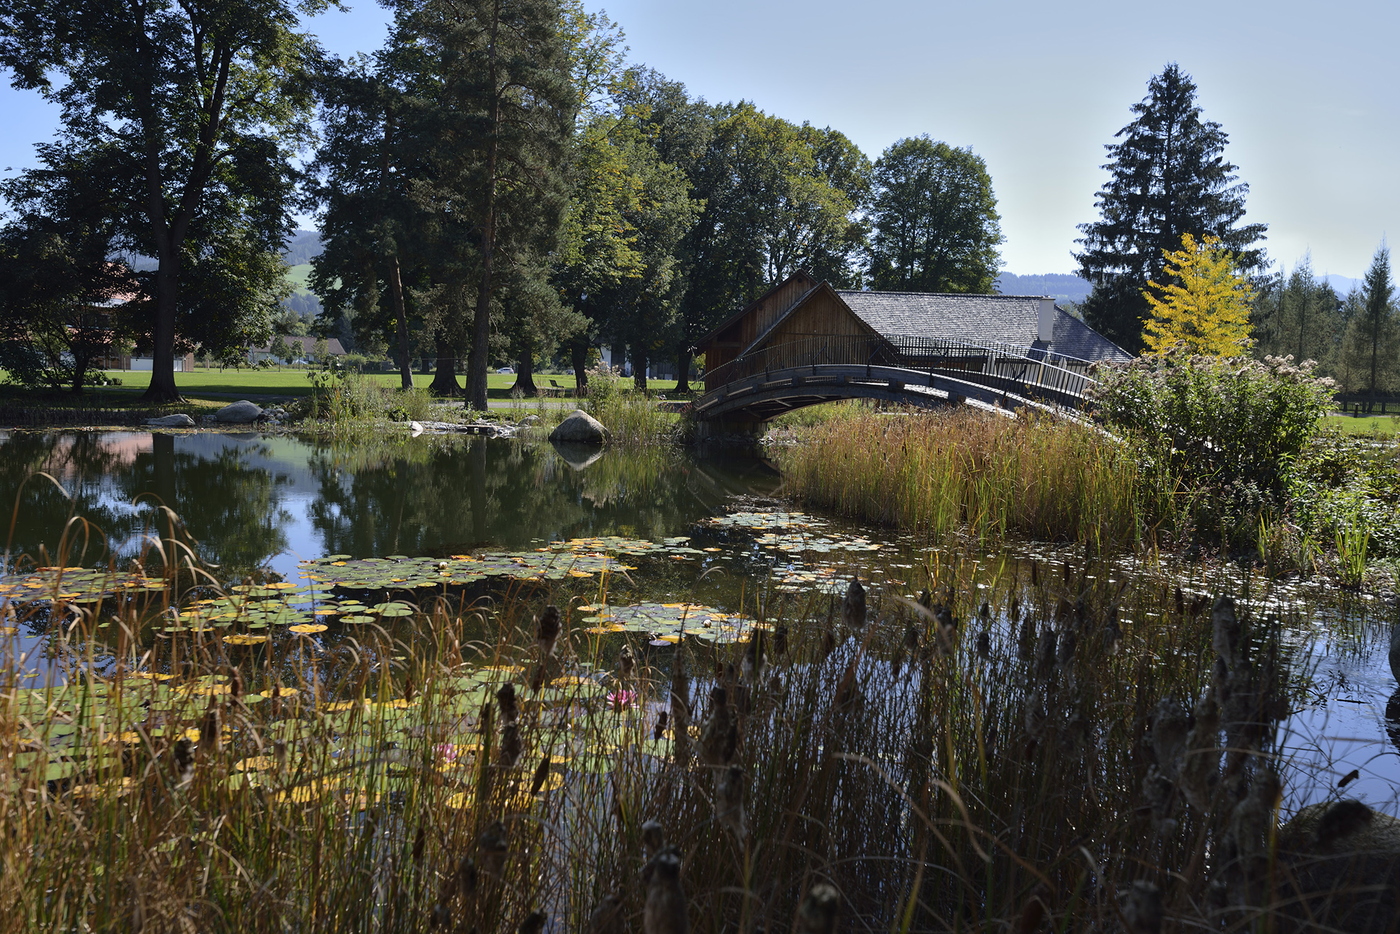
(508, 105)
(1169, 177)
(190, 112)
(1373, 332)
(935, 220)
(1298, 315)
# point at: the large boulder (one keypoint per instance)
(580, 428)
(171, 421)
(238, 413)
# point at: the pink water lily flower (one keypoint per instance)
(622, 698)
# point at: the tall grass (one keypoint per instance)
(964, 471)
(980, 761)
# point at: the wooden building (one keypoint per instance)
(803, 321)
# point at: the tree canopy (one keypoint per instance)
(936, 227)
(187, 115)
(1168, 178)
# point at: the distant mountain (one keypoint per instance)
(302, 247)
(1062, 287)
(1342, 285)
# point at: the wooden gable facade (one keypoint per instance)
(794, 314)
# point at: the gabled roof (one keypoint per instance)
(793, 308)
(800, 274)
(981, 319)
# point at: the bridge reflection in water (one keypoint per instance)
(919, 371)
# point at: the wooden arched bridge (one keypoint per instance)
(931, 372)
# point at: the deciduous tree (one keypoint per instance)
(1168, 177)
(936, 227)
(190, 113)
(1205, 310)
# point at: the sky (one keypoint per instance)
(1311, 102)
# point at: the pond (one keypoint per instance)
(315, 546)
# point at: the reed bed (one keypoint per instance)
(1014, 750)
(964, 472)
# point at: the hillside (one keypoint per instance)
(1062, 287)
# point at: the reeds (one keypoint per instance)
(412, 779)
(967, 472)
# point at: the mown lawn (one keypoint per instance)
(1366, 424)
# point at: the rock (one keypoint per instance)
(577, 456)
(580, 428)
(1339, 870)
(415, 428)
(238, 413)
(171, 421)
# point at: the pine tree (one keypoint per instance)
(1169, 178)
(1373, 332)
(1206, 310)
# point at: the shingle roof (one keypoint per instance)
(981, 319)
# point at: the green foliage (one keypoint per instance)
(1299, 315)
(935, 220)
(1227, 431)
(1169, 178)
(1206, 310)
(1372, 338)
(343, 398)
(183, 117)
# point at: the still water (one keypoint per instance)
(254, 506)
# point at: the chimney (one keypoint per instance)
(1045, 330)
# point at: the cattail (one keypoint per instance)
(926, 599)
(828, 643)
(235, 684)
(911, 638)
(729, 801)
(751, 668)
(984, 644)
(184, 762)
(659, 730)
(1142, 908)
(653, 838)
(1169, 731)
(491, 848)
(817, 913)
(1045, 654)
(984, 611)
(547, 630)
(1015, 610)
(1112, 637)
(947, 628)
(665, 909)
(540, 777)
(720, 737)
(626, 662)
(211, 731)
(510, 744)
(607, 917)
(853, 607)
(505, 697)
(780, 640)
(1226, 637)
(533, 923)
(847, 691)
(680, 711)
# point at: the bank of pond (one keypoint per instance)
(261, 684)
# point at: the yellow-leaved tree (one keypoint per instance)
(1205, 310)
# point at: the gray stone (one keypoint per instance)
(171, 421)
(239, 413)
(580, 428)
(577, 456)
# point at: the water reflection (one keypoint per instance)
(249, 501)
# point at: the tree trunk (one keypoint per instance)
(525, 374)
(682, 370)
(481, 324)
(579, 350)
(639, 367)
(445, 379)
(401, 312)
(162, 388)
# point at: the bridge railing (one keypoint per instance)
(997, 365)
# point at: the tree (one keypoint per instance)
(507, 106)
(935, 220)
(1206, 311)
(64, 304)
(189, 114)
(1298, 315)
(1169, 178)
(1373, 333)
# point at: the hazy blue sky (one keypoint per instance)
(1307, 93)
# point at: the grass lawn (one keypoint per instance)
(1365, 424)
(265, 385)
